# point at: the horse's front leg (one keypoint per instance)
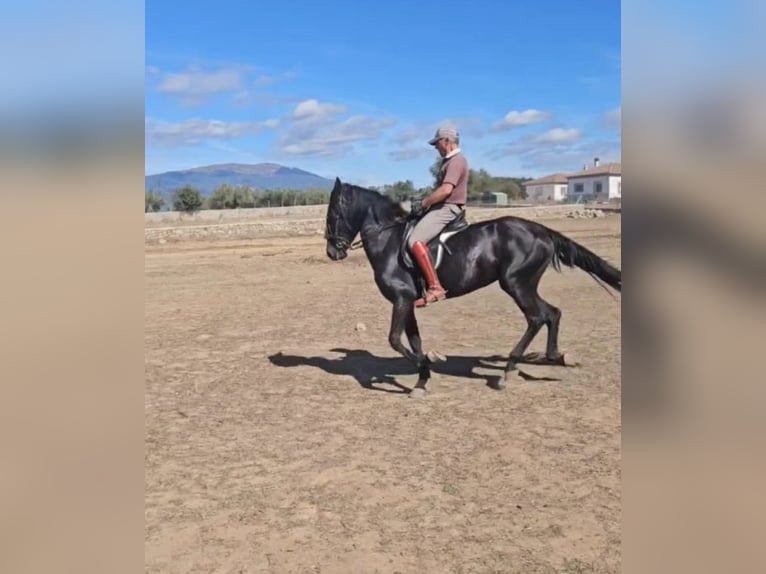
(403, 319)
(424, 362)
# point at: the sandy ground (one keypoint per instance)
(279, 438)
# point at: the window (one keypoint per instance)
(598, 187)
(579, 188)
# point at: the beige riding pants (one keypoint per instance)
(433, 222)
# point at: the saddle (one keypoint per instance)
(438, 244)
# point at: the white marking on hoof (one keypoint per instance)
(417, 393)
(435, 357)
(499, 383)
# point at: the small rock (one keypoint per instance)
(360, 327)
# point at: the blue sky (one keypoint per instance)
(355, 90)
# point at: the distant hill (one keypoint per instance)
(260, 176)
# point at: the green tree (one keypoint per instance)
(153, 201)
(434, 170)
(316, 196)
(479, 184)
(421, 192)
(400, 190)
(187, 199)
(228, 197)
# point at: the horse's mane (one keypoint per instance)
(384, 206)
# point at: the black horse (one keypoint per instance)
(514, 251)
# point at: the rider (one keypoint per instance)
(442, 206)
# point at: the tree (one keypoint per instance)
(421, 192)
(434, 170)
(316, 196)
(479, 184)
(226, 196)
(187, 199)
(400, 190)
(153, 201)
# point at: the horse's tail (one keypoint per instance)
(572, 254)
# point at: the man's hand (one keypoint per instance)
(417, 209)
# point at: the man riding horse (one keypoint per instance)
(438, 209)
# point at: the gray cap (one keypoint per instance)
(449, 133)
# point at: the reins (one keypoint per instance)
(342, 242)
(375, 231)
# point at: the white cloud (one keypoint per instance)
(516, 119)
(418, 134)
(559, 135)
(195, 131)
(318, 132)
(410, 153)
(411, 135)
(268, 80)
(557, 150)
(243, 99)
(197, 83)
(195, 86)
(312, 110)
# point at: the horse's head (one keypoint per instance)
(350, 208)
(341, 226)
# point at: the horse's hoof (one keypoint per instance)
(417, 393)
(499, 383)
(435, 357)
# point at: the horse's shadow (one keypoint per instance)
(369, 369)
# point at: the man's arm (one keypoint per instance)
(438, 195)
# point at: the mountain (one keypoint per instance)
(261, 176)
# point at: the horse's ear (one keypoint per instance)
(337, 184)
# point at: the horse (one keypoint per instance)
(508, 249)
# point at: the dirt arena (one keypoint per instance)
(280, 438)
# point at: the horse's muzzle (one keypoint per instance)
(335, 253)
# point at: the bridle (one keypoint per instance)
(335, 237)
(341, 242)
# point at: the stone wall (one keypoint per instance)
(209, 216)
(295, 221)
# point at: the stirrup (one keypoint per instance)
(431, 297)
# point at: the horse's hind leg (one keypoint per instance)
(529, 303)
(520, 282)
(552, 320)
(538, 312)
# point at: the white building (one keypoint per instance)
(548, 188)
(596, 183)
